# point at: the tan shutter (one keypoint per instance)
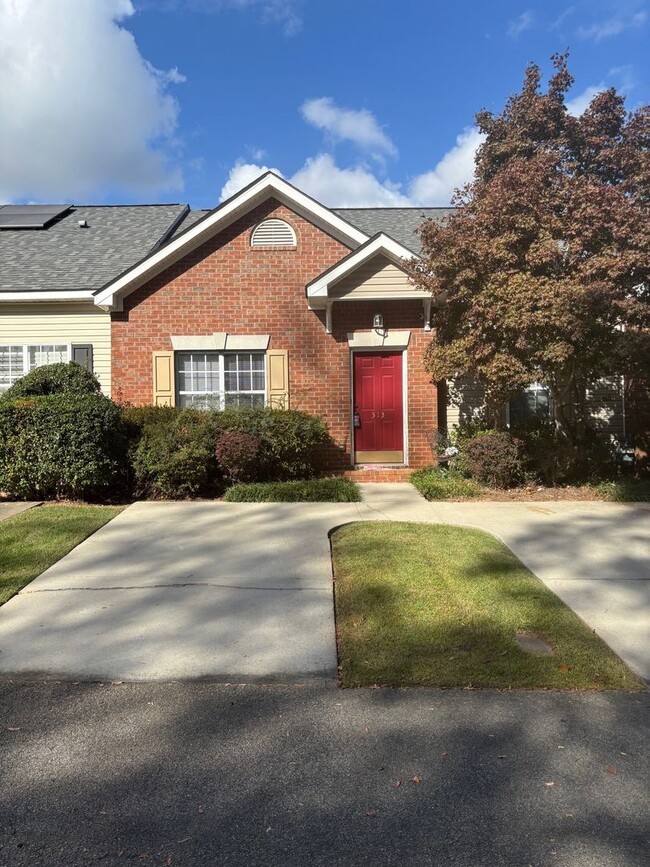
(277, 378)
(163, 378)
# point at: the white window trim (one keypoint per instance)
(25, 348)
(220, 395)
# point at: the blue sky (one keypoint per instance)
(359, 102)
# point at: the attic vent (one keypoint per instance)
(273, 233)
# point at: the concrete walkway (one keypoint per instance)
(8, 510)
(244, 591)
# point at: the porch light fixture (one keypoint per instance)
(378, 322)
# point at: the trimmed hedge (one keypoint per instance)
(61, 446)
(176, 452)
(307, 491)
(438, 483)
(62, 378)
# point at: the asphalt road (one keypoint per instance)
(209, 774)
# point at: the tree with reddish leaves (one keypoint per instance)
(543, 271)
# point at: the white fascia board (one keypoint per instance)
(74, 295)
(381, 244)
(268, 185)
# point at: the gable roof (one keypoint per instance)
(64, 258)
(269, 185)
(400, 223)
(380, 244)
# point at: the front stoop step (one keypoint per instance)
(377, 473)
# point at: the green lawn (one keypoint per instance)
(439, 606)
(34, 540)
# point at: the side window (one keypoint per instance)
(532, 403)
(17, 360)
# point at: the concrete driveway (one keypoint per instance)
(241, 592)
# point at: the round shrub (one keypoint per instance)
(63, 378)
(494, 459)
(61, 446)
(174, 457)
(237, 455)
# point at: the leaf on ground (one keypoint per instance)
(417, 779)
(371, 814)
(564, 667)
(397, 784)
(610, 769)
(366, 729)
(13, 728)
(549, 784)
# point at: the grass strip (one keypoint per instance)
(32, 541)
(434, 605)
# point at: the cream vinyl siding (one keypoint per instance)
(379, 276)
(62, 322)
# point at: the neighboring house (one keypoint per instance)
(270, 298)
(53, 258)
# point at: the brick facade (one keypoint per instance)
(225, 285)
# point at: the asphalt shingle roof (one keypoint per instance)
(399, 223)
(65, 257)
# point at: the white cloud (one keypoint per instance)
(579, 103)
(82, 111)
(358, 126)
(242, 174)
(321, 178)
(613, 26)
(357, 187)
(454, 170)
(282, 12)
(353, 187)
(520, 24)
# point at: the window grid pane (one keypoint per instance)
(42, 354)
(12, 365)
(211, 380)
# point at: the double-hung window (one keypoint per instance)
(17, 360)
(215, 380)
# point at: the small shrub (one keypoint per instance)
(494, 459)
(237, 455)
(624, 490)
(61, 446)
(437, 483)
(60, 378)
(309, 491)
(174, 456)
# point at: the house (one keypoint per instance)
(270, 298)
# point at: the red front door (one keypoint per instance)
(378, 407)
